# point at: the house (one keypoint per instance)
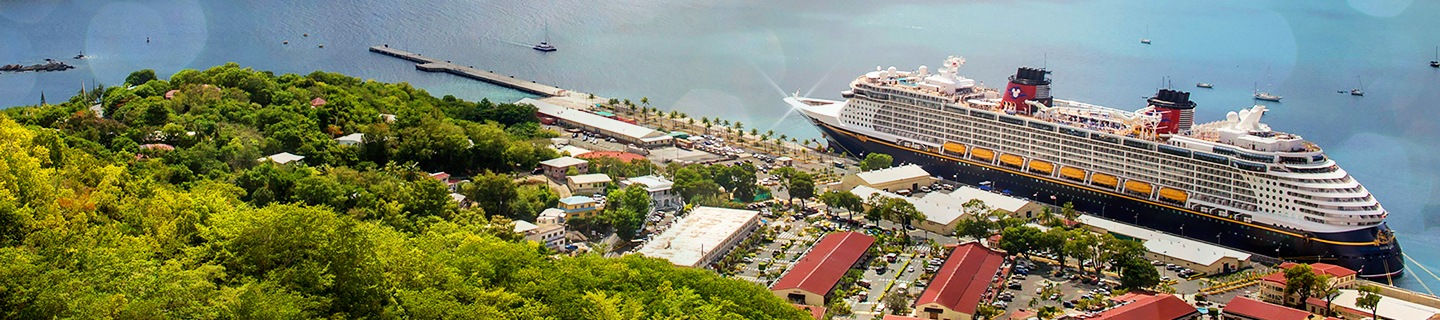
(557, 168)
(1242, 308)
(960, 284)
(625, 157)
(816, 312)
(587, 183)
(893, 179)
(389, 118)
(702, 236)
(1272, 287)
(1138, 305)
(282, 158)
(662, 197)
(815, 275)
(551, 216)
(351, 139)
(317, 102)
(579, 207)
(460, 199)
(552, 236)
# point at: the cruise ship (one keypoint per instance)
(1234, 182)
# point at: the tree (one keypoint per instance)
(140, 77)
(1068, 211)
(493, 192)
(846, 200)
(1301, 280)
(1083, 245)
(1369, 299)
(1136, 274)
(1329, 290)
(974, 227)
(627, 210)
(876, 161)
(897, 303)
(1020, 240)
(801, 186)
(985, 311)
(739, 126)
(645, 101)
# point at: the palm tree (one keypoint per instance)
(754, 132)
(692, 123)
(645, 101)
(769, 133)
(739, 126)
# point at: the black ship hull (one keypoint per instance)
(1372, 251)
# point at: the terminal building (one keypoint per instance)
(1149, 306)
(945, 211)
(811, 279)
(628, 133)
(702, 236)
(893, 179)
(967, 276)
(1192, 254)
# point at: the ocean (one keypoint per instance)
(736, 58)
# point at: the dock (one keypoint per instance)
(429, 64)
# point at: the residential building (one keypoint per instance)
(282, 158)
(551, 216)
(1185, 252)
(558, 167)
(579, 207)
(1242, 308)
(893, 179)
(618, 155)
(587, 183)
(702, 236)
(1272, 287)
(1149, 306)
(815, 275)
(816, 312)
(552, 236)
(625, 132)
(662, 197)
(351, 139)
(957, 288)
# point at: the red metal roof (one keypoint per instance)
(1150, 307)
(819, 270)
(1260, 310)
(961, 282)
(1318, 268)
(317, 102)
(817, 312)
(623, 156)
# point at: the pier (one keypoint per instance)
(429, 64)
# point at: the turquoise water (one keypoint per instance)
(736, 58)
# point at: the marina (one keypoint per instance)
(429, 64)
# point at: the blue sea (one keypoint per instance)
(736, 59)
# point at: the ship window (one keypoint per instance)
(982, 115)
(1073, 132)
(1210, 157)
(1106, 138)
(1013, 121)
(1174, 151)
(1318, 158)
(1139, 144)
(1042, 126)
(1225, 151)
(1256, 157)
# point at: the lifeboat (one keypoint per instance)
(1012, 160)
(1173, 194)
(1140, 187)
(982, 154)
(1046, 167)
(1104, 179)
(954, 148)
(1073, 173)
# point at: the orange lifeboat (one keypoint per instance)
(982, 153)
(1137, 186)
(1173, 194)
(1104, 179)
(1012, 160)
(1073, 173)
(1046, 167)
(954, 148)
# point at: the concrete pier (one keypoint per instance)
(429, 64)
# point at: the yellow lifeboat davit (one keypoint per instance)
(1013, 160)
(1173, 194)
(1137, 186)
(1104, 179)
(1073, 173)
(954, 148)
(982, 153)
(1046, 167)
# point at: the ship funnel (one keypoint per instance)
(1177, 112)
(1026, 85)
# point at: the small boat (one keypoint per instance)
(1360, 91)
(1267, 97)
(80, 56)
(545, 46)
(1436, 63)
(1146, 39)
(1206, 85)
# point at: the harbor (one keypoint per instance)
(429, 64)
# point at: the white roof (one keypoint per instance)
(565, 161)
(652, 183)
(523, 227)
(687, 241)
(1168, 245)
(589, 178)
(353, 137)
(457, 197)
(1389, 308)
(937, 208)
(590, 119)
(573, 150)
(553, 212)
(881, 176)
(281, 158)
(994, 200)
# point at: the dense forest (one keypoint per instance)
(156, 207)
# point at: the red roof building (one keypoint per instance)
(623, 156)
(317, 102)
(960, 284)
(817, 273)
(1151, 307)
(895, 317)
(817, 312)
(1249, 309)
(1272, 287)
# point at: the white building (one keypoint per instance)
(551, 235)
(893, 179)
(1192, 254)
(662, 197)
(351, 139)
(944, 211)
(629, 133)
(587, 183)
(282, 158)
(551, 216)
(703, 236)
